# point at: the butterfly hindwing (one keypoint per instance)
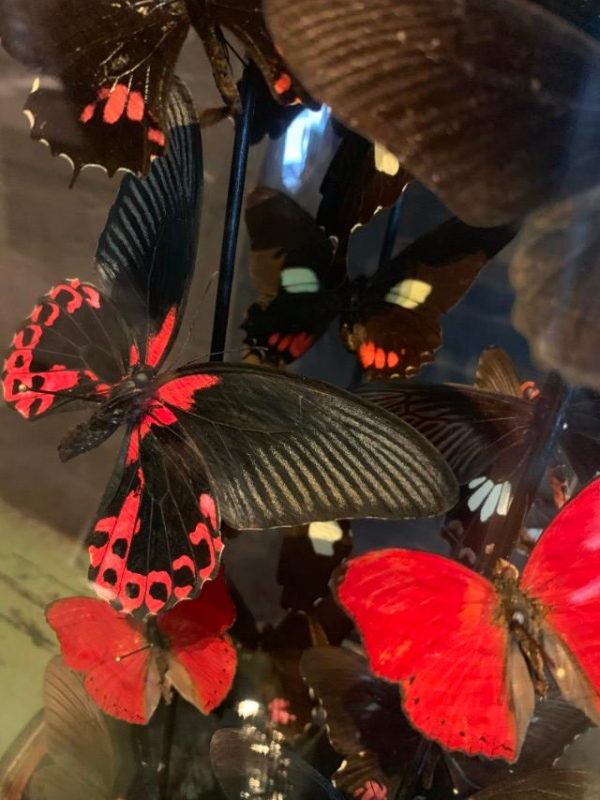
(290, 260)
(156, 535)
(112, 65)
(393, 324)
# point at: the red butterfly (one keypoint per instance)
(470, 654)
(128, 664)
(205, 441)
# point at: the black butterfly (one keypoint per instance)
(490, 103)
(112, 63)
(485, 432)
(205, 440)
(391, 320)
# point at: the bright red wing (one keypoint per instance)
(431, 624)
(563, 574)
(112, 651)
(74, 342)
(202, 662)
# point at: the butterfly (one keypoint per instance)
(107, 69)
(480, 100)
(86, 755)
(364, 721)
(128, 665)
(391, 320)
(471, 654)
(204, 441)
(485, 432)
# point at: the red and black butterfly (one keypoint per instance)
(471, 654)
(481, 100)
(129, 665)
(107, 69)
(204, 441)
(485, 432)
(391, 320)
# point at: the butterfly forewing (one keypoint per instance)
(283, 450)
(112, 65)
(479, 99)
(147, 250)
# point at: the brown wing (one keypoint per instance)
(481, 99)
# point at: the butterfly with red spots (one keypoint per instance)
(129, 665)
(204, 441)
(107, 68)
(391, 320)
(470, 654)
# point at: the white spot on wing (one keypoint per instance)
(385, 161)
(323, 535)
(297, 280)
(409, 293)
(589, 592)
(30, 117)
(504, 501)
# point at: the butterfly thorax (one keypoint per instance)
(126, 404)
(523, 616)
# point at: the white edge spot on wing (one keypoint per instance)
(385, 161)
(323, 535)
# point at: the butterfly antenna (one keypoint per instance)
(148, 646)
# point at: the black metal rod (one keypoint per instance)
(233, 211)
(164, 766)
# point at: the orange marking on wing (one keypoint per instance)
(115, 104)
(157, 136)
(283, 84)
(392, 359)
(379, 361)
(366, 353)
(135, 107)
(88, 113)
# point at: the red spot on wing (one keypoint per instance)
(284, 343)
(366, 353)
(300, 344)
(371, 790)
(134, 356)
(283, 84)
(180, 392)
(158, 342)
(156, 136)
(208, 509)
(392, 359)
(111, 542)
(135, 107)
(529, 390)
(279, 711)
(379, 360)
(115, 104)
(88, 113)
(273, 339)
(157, 579)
